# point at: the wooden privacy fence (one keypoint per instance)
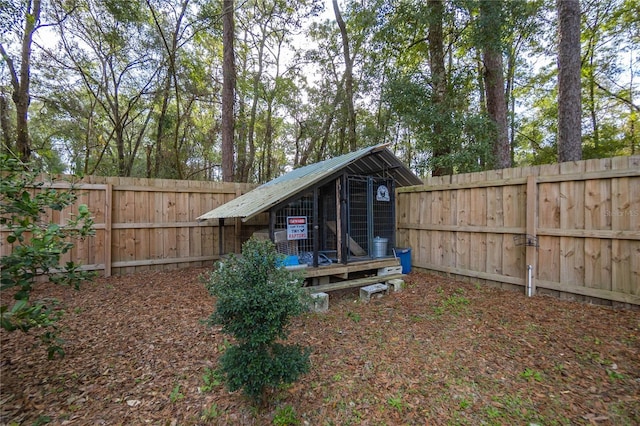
(575, 225)
(144, 224)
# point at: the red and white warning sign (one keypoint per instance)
(297, 228)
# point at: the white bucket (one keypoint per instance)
(380, 247)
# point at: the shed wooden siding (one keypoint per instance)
(584, 216)
(144, 224)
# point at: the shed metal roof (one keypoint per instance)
(376, 160)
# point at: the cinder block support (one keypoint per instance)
(389, 270)
(373, 289)
(319, 302)
(397, 284)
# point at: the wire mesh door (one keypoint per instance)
(371, 227)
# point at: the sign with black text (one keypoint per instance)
(297, 228)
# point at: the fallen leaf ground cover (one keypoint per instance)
(441, 352)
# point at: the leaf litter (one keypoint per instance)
(439, 352)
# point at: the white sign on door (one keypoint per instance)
(297, 228)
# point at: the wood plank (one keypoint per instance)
(513, 209)
(339, 210)
(352, 283)
(634, 226)
(478, 217)
(531, 252)
(108, 220)
(461, 240)
(543, 177)
(354, 247)
(549, 218)
(423, 252)
(437, 218)
(500, 278)
(591, 292)
(402, 216)
(494, 227)
(455, 228)
(590, 233)
(182, 216)
(117, 247)
(414, 215)
(449, 217)
(143, 209)
(170, 187)
(572, 218)
(163, 261)
(169, 235)
(597, 250)
(128, 236)
(195, 233)
(340, 269)
(624, 215)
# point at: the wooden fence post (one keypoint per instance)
(108, 219)
(237, 223)
(531, 255)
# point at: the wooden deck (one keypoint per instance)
(339, 270)
(355, 274)
(359, 282)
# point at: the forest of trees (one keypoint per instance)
(245, 90)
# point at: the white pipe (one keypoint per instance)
(529, 281)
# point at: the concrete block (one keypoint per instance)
(378, 289)
(320, 302)
(389, 270)
(397, 284)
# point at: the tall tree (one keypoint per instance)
(171, 41)
(491, 19)
(439, 83)
(115, 68)
(348, 78)
(228, 90)
(569, 87)
(20, 80)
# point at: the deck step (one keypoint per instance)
(359, 282)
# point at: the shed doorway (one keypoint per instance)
(371, 216)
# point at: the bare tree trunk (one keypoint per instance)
(569, 99)
(508, 93)
(497, 108)
(490, 13)
(228, 90)
(348, 81)
(20, 82)
(4, 124)
(247, 155)
(171, 47)
(441, 146)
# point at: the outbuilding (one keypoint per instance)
(335, 212)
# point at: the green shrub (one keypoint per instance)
(255, 301)
(285, 416)
(38, 246)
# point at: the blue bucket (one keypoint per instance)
(404, 254)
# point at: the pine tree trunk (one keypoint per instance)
(494, 81)
(228, 89)
(497, 107)
(569, 88)
(440, 146)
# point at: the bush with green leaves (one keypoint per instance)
(255, 302)
(37, 247)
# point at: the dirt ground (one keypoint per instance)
(440, 352)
